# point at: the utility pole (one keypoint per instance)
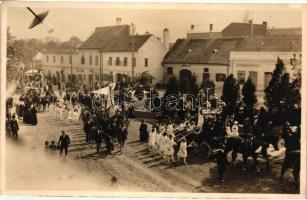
(100, 69)
(71, 52)
(132, 53)
(32, 62)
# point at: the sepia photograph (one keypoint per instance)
(151, 98)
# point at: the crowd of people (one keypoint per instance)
(169, 138)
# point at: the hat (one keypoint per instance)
(235, 122)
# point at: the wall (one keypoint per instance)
(152, 49)
(198, 70)
(260, 62)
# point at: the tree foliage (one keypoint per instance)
(249, 93)
(273, 95)
(230, 94)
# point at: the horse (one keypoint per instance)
(248, 147)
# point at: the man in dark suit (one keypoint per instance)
(143, 132)
(14, 127)
(63, 143)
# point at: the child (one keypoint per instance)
(221, 161)
(53, 146)
(170, 148)
(182, 153)
(152, 137)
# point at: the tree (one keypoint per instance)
(230, 93)
(248, 92)
(272, 91)
(145, 79)
(14, 55)
(171, 93)
(282, 95)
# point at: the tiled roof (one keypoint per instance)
(285, 31)
(59, 51)
(243, 29)
(103, 35)
(124, 44)
(202, 51)
(272, 43)
(114, 39)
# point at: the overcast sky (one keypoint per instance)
(81, 22)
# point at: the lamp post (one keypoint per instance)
(71, 52)
(100, 68)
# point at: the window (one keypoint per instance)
(62, 59)
(80, 77)
(241, 77)
(117, 61)
(169, 71)
(47, 58)
(146, 62)
(97, 77)
(125, 61)
(253, 76)
(69, 59)
(53, 58)
(206, 70)
(220, 77)
(90, 60)
(82, 60)
(110, 61)
(133, 61)
(96, 60)
(267, 78)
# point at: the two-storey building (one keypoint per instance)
(109, 51)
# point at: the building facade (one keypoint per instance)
(256, 58)
(108, 52)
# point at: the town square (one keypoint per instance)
(153, 99)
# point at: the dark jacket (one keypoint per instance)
(64, 141)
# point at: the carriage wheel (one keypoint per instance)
(205, 150)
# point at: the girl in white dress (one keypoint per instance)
(158, 142)
(170, 148)
(76, 116)
(151, 141)
(69, 114)
(163, 145)
(182, 153)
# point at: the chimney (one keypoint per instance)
(211, 27)
(192, 27)
(146, 33)
(118, 21)
(165, 40)
(252, 27)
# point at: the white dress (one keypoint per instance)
(182, 153)
(170, 147)
(69, 114)
(152, 139)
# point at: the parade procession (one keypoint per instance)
(125, 111)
